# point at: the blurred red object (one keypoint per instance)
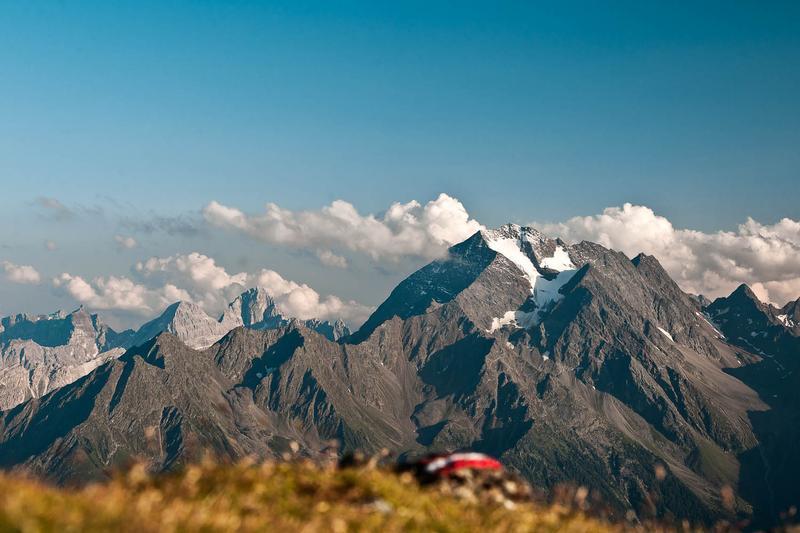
(442, 465)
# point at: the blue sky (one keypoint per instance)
(524, 111)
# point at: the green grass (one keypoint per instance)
(291, 496)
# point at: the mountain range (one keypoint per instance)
(42, 353)
(568, 362)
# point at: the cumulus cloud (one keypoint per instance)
(301, 301)
(328, 258)
(199, 279)
(20, 273)
(125, 242)
(119, 293)
(405, 229)
(763, 256)
(211, 286)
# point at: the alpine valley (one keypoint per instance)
(570, 363)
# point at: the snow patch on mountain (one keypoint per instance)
(545, 292)
(560, 260)
(666, 333)
(517, 319)
(786, 321)
(510, 248)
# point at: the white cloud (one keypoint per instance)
(199, 270)
(213, 287)
(764, 256)
(328, 258)
(301, 301)
(209, 284)
(193, 278)
(197, 278)
(125, 242)
(119, 293)
(20, 273)
(408, 229)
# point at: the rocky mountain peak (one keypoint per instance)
(56, 329)
(789, 316)
(39, 353)
(508, 275)
(183, 309)
(506, 231)
(648, 262)
(701, 300)
(741, 302)
(792, 310)
(253, 306)
(187, 321)
(744, 293)
(639, 258)
(333, 331)
(530, 241)
(753, 324)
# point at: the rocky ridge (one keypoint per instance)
(39, 354)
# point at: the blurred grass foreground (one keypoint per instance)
(273, 496)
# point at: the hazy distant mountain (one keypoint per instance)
(256, 309)
(41, 353)
(569, 362)
(188, 322)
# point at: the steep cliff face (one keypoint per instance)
(40, 354)
(188, 322)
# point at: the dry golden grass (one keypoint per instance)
(267, 497)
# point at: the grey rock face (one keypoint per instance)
(257, 310)
(254, 308)
(701, 301)
(569, 362)
(188, 322)
(335, 331)
(42, 353)
(789, 316)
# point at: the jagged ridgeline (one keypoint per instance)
(568, 362)
(42, 353)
